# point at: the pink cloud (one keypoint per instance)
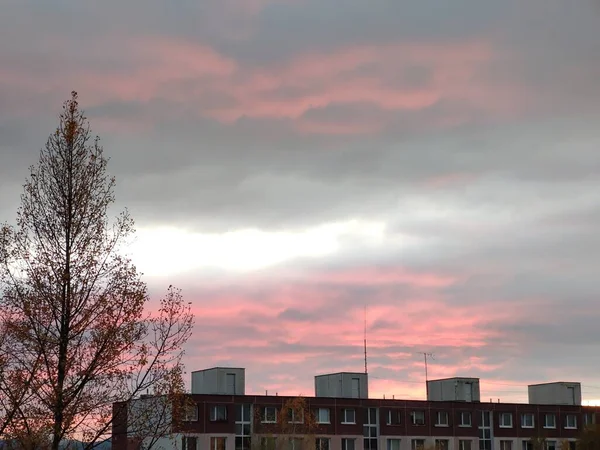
(185, 73)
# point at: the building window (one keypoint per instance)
(242, 426)
(218, 443)
(393, 444)
(506, 420)
(441, 444)
(295, 443)
(347, 443)
(349, 416)
(370, 429)
(268, 443)
(527, 420)
(269, 414)
(464, 444)
(218, 413)
(417, 417)
(589, 418)
(295, 416)
(465, 419)
(442, 419)
(527, 445)
(571, 421)
(323, 415)
(550, 445)
(549, 421)
(505, 445)
(322, 443)
(417, 444)
(189, 443)
(393, 416)
(190, 413)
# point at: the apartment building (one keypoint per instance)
(223, 417)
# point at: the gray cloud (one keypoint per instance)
(497, 188)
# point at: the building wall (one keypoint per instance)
(453, 389)
(555, 393)
(214, 381)
(404, 429)
(340, 385)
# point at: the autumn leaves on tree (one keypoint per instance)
(75, 332)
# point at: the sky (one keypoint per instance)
(291, 162)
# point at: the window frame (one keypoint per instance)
(461, 443)
(347, 441)
(264, 414)
(524, 421)
(437, 444)
(391, 413)
(319, 421)
(440, 414)
(502, 423)
(187, 417)
(320, 439)
(553, 425)
(266, 440)
(464, 424)
(214, 413)
(413, 417)
(570, 427)
(292, 416)
(415, 446)
(390, 440)
(215, 439)
(506, 443)
(345, 416)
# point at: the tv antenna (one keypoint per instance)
(425, 355)
(365, 339)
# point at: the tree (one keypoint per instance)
(76, 333)
(294, 427)
(589, 438)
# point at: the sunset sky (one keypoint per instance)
(290, 161)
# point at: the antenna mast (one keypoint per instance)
(365, 340)
(425, 355)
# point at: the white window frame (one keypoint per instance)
(293, 418)
(413, 417)
(215, 439)
(574, 425)
(440, 415)
(589, 418)
(415, 446)
(345, 420)
(464, 414)
(193, 417)
(295, 443)
(214, 413)
(265, 415)
(502, 423)
(462, 442)
(524, 417)
(504, 443)
(323, 410)
(437, 444)
(551, 445)
(526, 444)
(391, 413)
(268, 443)
(318, 442)
(346, 441)
(391, 441)
(553, 424)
